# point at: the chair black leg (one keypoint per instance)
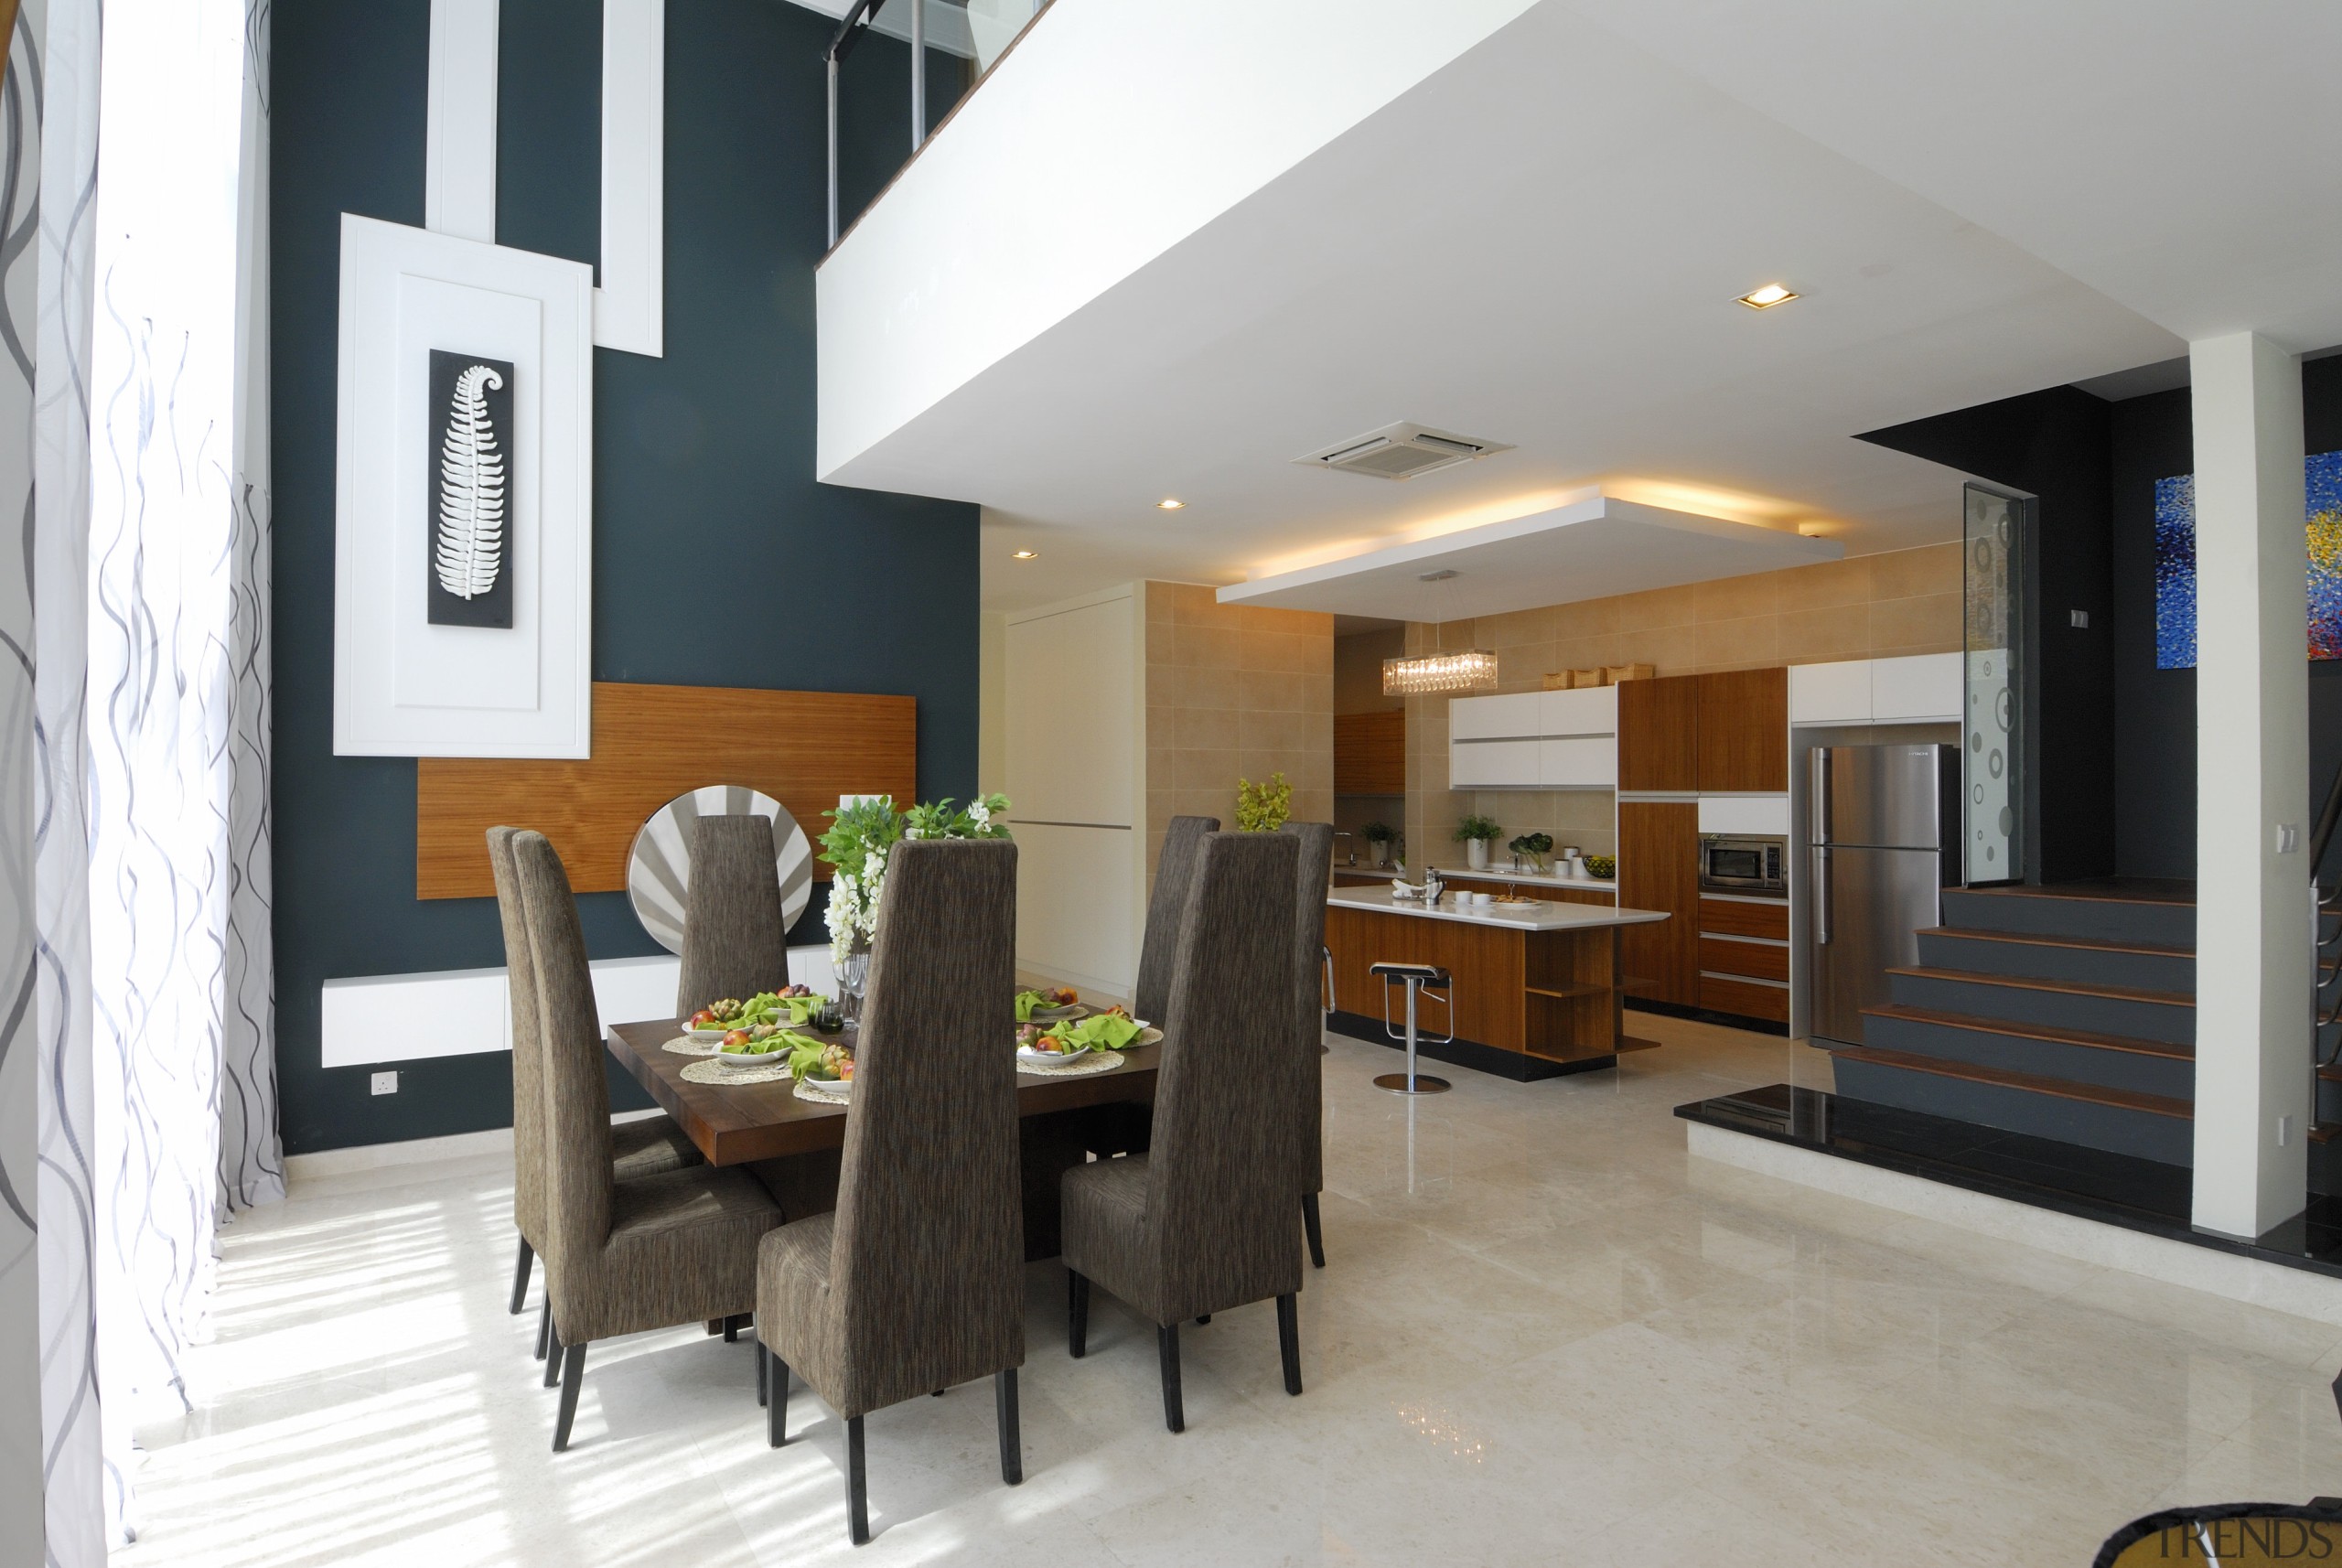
(1167, 1345)
(1012, 1441)
(776, 1402)
(762, 1371)
(1316, 1232)
(732, 1331)
(544, 1327)
(520, 1276)
(857, 1486)
(553, 1352)
(1204, 1318)
(1289, 1340)
(573, 1377)
(1077, 1314)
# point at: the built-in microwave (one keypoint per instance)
(1731, 862)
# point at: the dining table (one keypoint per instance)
(733, 1124)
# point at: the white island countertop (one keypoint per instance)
(1529, 878)
(1545, 916)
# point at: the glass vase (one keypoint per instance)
(854, 981)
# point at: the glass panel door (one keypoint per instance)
(1991, 798)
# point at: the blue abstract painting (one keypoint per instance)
(2175, 563)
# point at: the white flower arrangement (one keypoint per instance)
(873, 828)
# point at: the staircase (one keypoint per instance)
(2066, 1013)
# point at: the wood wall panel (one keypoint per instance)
(1659, 733)
(1659, 868)
(650, 745)
(1371, 753)
(1744, 730)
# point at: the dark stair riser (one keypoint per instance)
(2170, 1139)
(2100, 919)
(2053, 961)
(2173, 1076)
(2162, 1021)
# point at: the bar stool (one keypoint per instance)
(1417, 978)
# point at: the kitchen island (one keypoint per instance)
(1537, 990)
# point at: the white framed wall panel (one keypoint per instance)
(630, 305)
(459, 124)
(404, 687)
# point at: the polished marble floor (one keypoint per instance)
(1547, 1336)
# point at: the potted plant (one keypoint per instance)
(1378, 837)
(1475, 833)
(1535, 847)
(1262, 808)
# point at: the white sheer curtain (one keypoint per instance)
(178, 575)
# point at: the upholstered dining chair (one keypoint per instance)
(1203, 1220)
(1123, 1128)
(915, 1282)
(735, 942)
(679, 1247)
(1313, 876)
(641, 1147)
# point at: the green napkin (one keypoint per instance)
(1099, 1032)
(1027, 1002)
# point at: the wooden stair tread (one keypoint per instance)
(2071, 987)
(2035, 939)
(2132, 890)
(2035, 1083)
(2050, 1031)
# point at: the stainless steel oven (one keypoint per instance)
(1731, 862)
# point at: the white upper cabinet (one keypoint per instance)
(1492, 765)
(1493, 718)
(1926, 686)
(1578, 762)
(1593, 710)
(1829, 693)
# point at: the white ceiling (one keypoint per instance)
(1541, 245)
(1589, 549)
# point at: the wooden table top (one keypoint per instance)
(735, 1124)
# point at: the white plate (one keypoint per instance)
(738, 1058)
(1049, 1058)
(841, 1086)
(707, 1036)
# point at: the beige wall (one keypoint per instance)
(1233, 692)
(1907, 601)
(1358, 670)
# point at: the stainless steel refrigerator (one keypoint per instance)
(1882, 829)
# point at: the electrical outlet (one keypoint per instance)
(2289, 838)
(386, 1083)
(2078, 619)
(2285, 1130)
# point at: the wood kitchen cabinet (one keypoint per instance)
(1659, 734)
(1371, 753)
(1742, 732)
(1659, 868)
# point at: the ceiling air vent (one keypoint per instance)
(1401, 452)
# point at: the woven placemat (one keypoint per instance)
(1080, 1066)
(717, 1072)
(684, 1045)
(820, 1094)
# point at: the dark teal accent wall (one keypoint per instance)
(704, 502)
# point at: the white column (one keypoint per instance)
(459, 122)
(2252, 911)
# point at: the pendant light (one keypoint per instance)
(1475, 670)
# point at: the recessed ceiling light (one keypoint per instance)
(1169, 503)
(1025, 555)
(1813, 530)
(1764, 298)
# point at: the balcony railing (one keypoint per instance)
(993, 27)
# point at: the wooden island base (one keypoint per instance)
(1534, 998)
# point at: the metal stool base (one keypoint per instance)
(1396, 1082)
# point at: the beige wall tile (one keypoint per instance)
(1587, 652)
(1204, 729)
(1276, 691)
(1659, 607)
(1831, 583)
(1211, 687)
(1162, 683)
(1210, 647)
(1834, 631)
(1518, 627)
(1207, 769)
(1521, 667)
(1911, 574)
(1739, 644)
(1737, 598)
(1281, 734)
(1588, 618)
(1318, 693)
(1928, 624)
(1668, 649)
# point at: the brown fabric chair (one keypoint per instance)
(735, 940)
(679, 1247)
(638, 1148)
(1124, 1129)
(916, 1282)
(1311, 880)
(1203, 1220)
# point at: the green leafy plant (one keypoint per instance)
(1262, 808)
(1536, 846)
(1378, 833)
(1482, 828)
(862, 835)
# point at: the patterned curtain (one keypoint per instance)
(52, 84)
(178, 553)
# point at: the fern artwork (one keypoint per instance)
(470, 562)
